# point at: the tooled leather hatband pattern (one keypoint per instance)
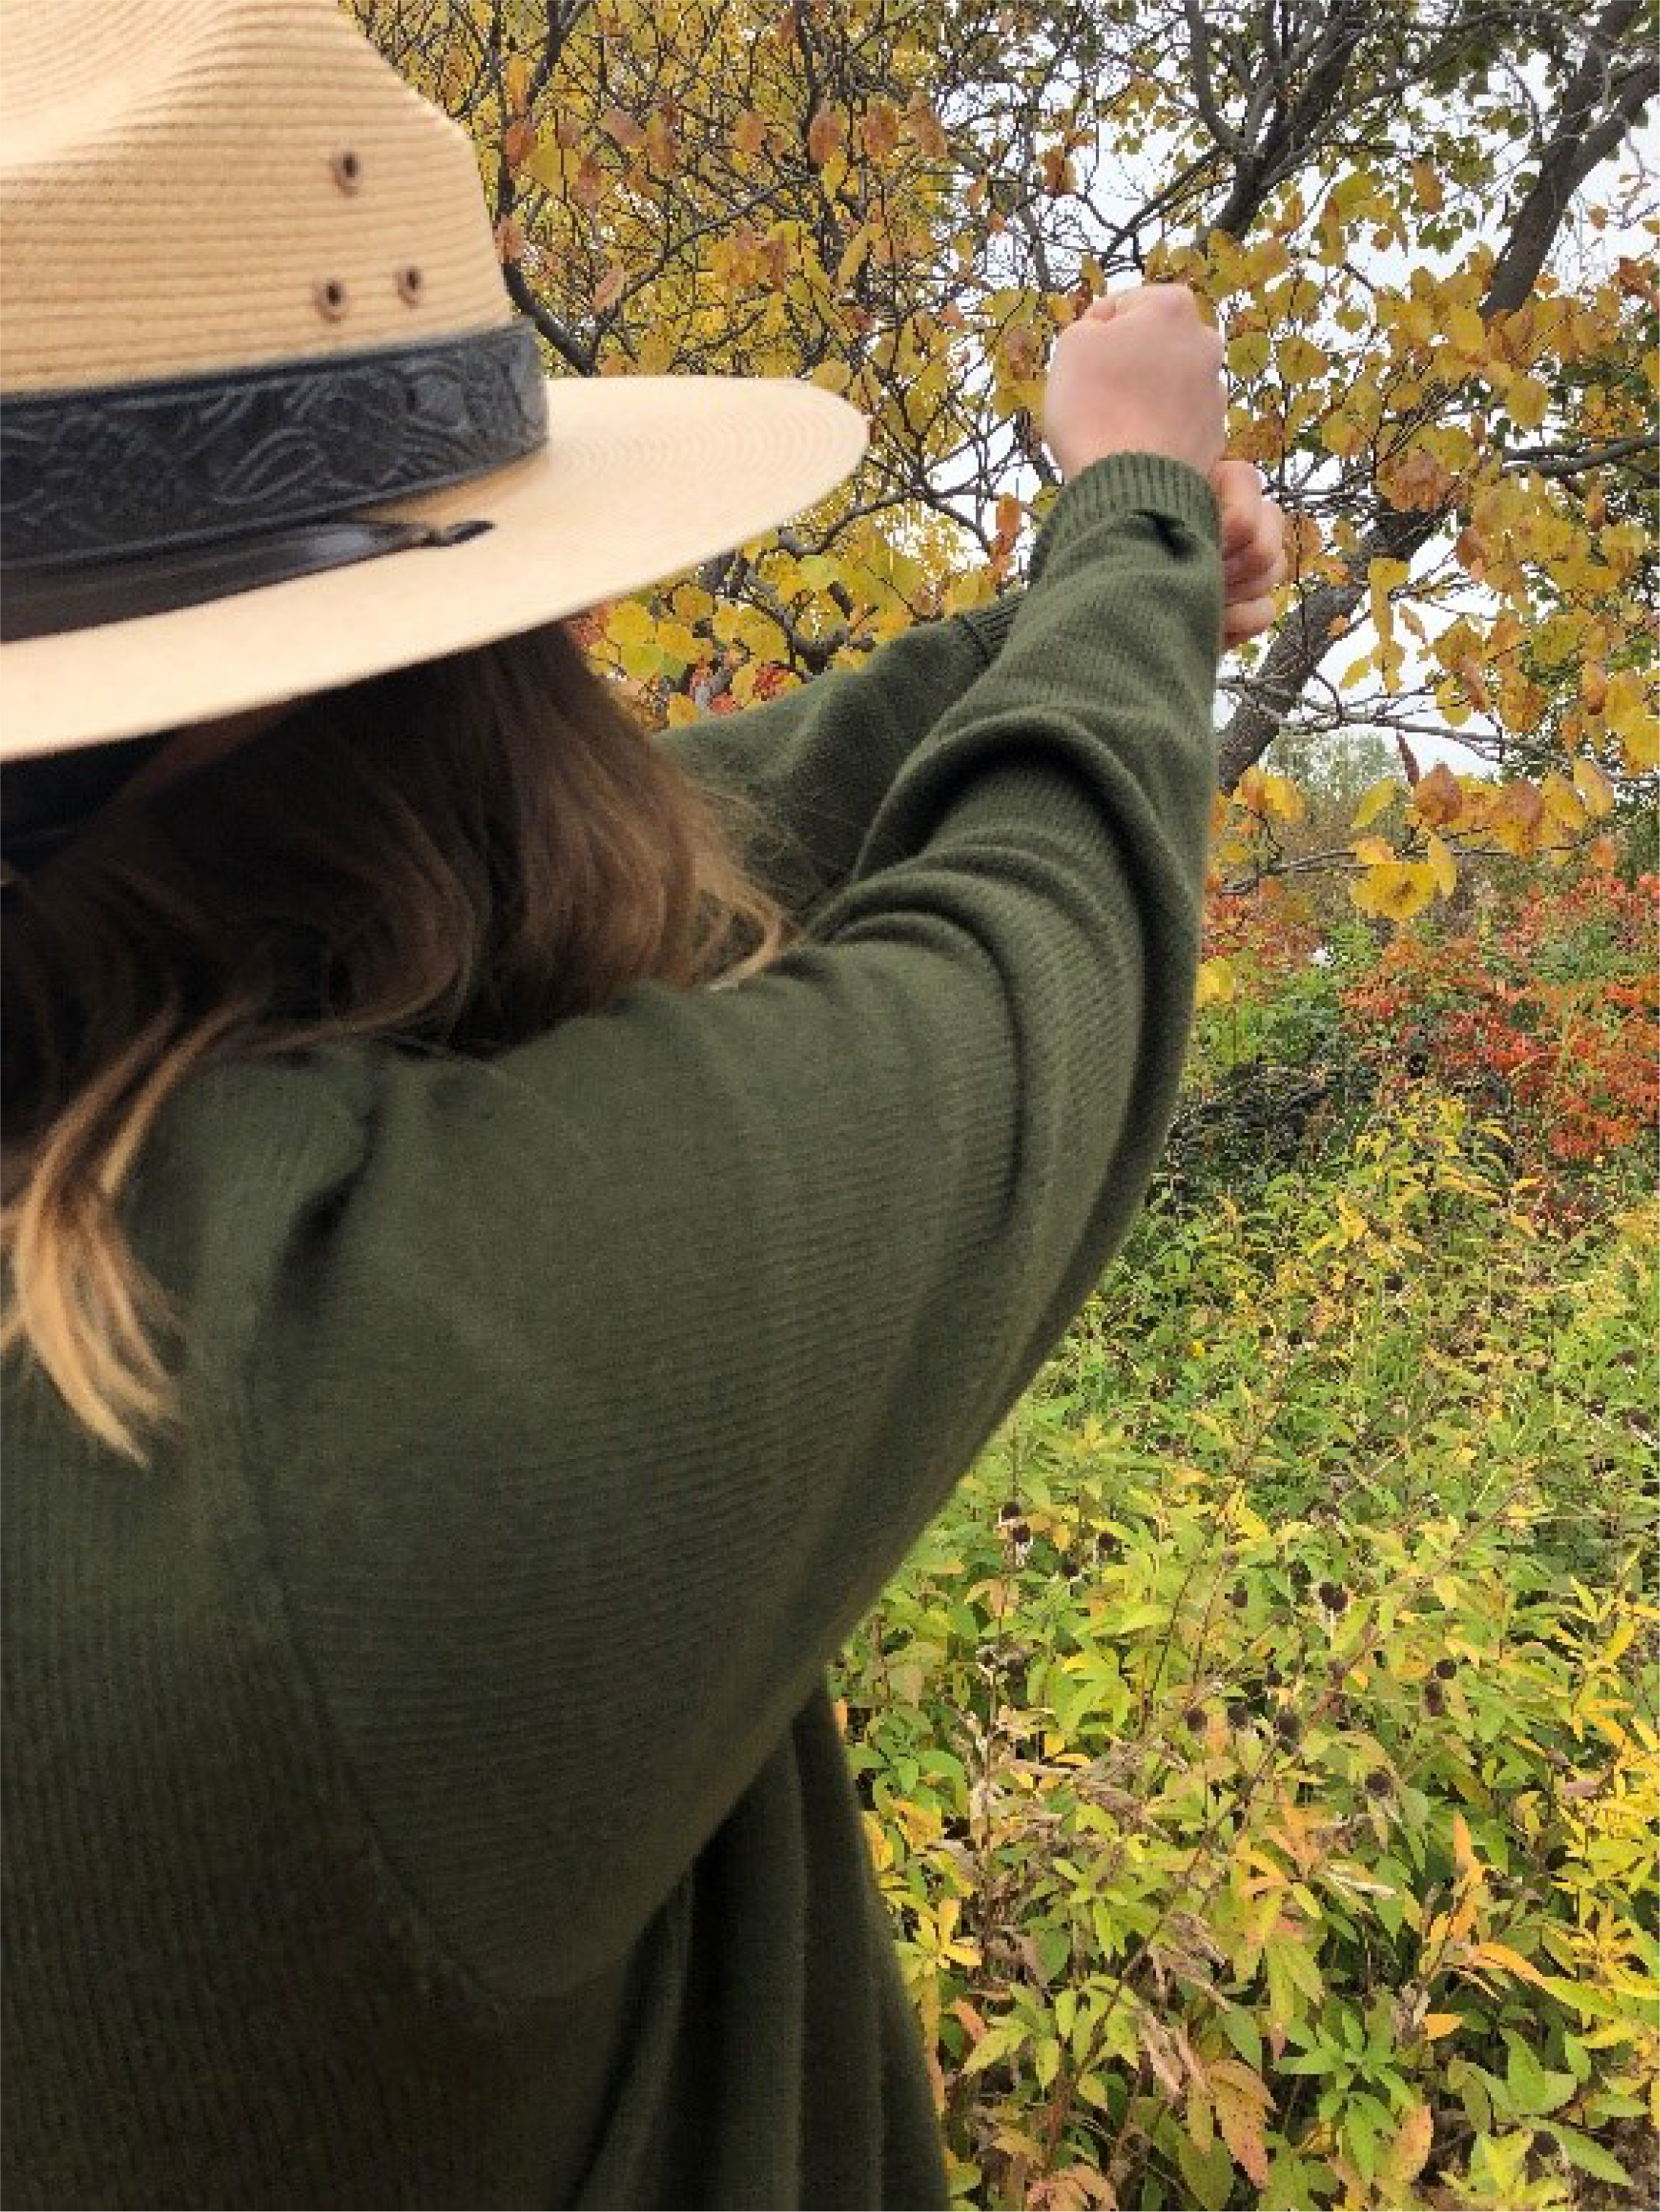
(129, 469)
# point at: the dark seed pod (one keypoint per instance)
(1445, 1670)
(1378, 1783)
(1435, 1697)
(1239, 1595)
(1287, 1726)
(1010, 1510)
(1332, 1596)
(1017, 1532)
(1194, 1719)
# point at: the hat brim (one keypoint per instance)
(642, 476)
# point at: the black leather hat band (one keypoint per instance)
(109, 480)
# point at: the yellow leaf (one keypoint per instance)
(1527, 401)
(1631, 718)
(1438, 2024)
(1216, 983)
(1563, 807)
(853, 258)
(1463, 1850)
(1593, 787)
(1375, 801)
(1275, 795)
(1500, 1954)
(629, 624)
(682, 643)
(1442, 867)
(1373, 852)
(1394, 891)
(518, 83)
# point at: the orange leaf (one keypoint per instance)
(609, 290)
(1438, 796)
(616, 123)
(826, 134)
(662, 147)
(1242, 2131)
(1406, 2155)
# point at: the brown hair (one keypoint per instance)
(457, 855)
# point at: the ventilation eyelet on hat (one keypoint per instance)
(409, 282)
(348, 169)
(329, 295)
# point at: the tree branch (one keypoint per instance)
(1580, 140)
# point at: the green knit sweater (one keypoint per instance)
(421, 1786)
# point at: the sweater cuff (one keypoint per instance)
(988, 627)
(1136, 483)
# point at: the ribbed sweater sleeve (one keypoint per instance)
(815, 762)
(605, 1383)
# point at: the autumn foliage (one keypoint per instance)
(1425, 238)
(1259, 1753)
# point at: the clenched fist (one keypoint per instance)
(1141, 372)
(1137, 372)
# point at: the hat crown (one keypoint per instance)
(187, 185)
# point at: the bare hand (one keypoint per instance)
(1253, 550)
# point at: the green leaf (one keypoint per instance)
(998, 2041)
(1208, 2174)
(1054, 1950)
(1589, 2157)
(1361, 2136)
(1533, 2089)
(1243, 2034)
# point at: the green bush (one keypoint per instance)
(1259, 1751)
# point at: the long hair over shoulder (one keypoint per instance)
(456, 856)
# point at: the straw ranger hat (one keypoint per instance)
(267, 423)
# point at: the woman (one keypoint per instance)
(466, 1374)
